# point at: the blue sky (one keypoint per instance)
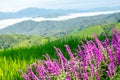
(15, 5)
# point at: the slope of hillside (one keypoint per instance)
(13, 40)
(98, 30)
(59, 28)
(16, 58)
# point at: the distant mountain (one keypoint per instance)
(40, 12)
(36, 12)
(59, 28)
(106, 8)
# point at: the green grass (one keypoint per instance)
(118, 26)
(14, 59)
(89, 31)
(17, 40)
(11, 60)
(95, 29)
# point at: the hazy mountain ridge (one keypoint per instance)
(41, 12)
(59, 28)
(35, 12)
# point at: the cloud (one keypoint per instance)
(8, 22)
(15, 5)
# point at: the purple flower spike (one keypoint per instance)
(40, 69)
(97, 76)
(31, 74)
(99, 44)
(68, 77)
(116, 44)
(69, 52)
(80, 53)
(63, 60)
(25, 76)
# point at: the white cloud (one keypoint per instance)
(8, 22)
(15, 5)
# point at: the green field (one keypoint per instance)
(11, 60)
(18, 40)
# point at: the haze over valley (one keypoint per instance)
(8, 22)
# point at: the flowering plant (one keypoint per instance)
(94, 60)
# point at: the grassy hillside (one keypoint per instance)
(14, 59)
(14, 40)
(11, 60)
(98, 29)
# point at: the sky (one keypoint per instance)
(16, 5)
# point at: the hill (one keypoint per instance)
(15, 40)
(60, 28)
(16, 58)
(98, 29)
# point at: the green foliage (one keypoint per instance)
(14, 40)
(13, 59)
(98, 30)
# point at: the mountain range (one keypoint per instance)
(35, 12)
(41, 12)
(59, 28)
